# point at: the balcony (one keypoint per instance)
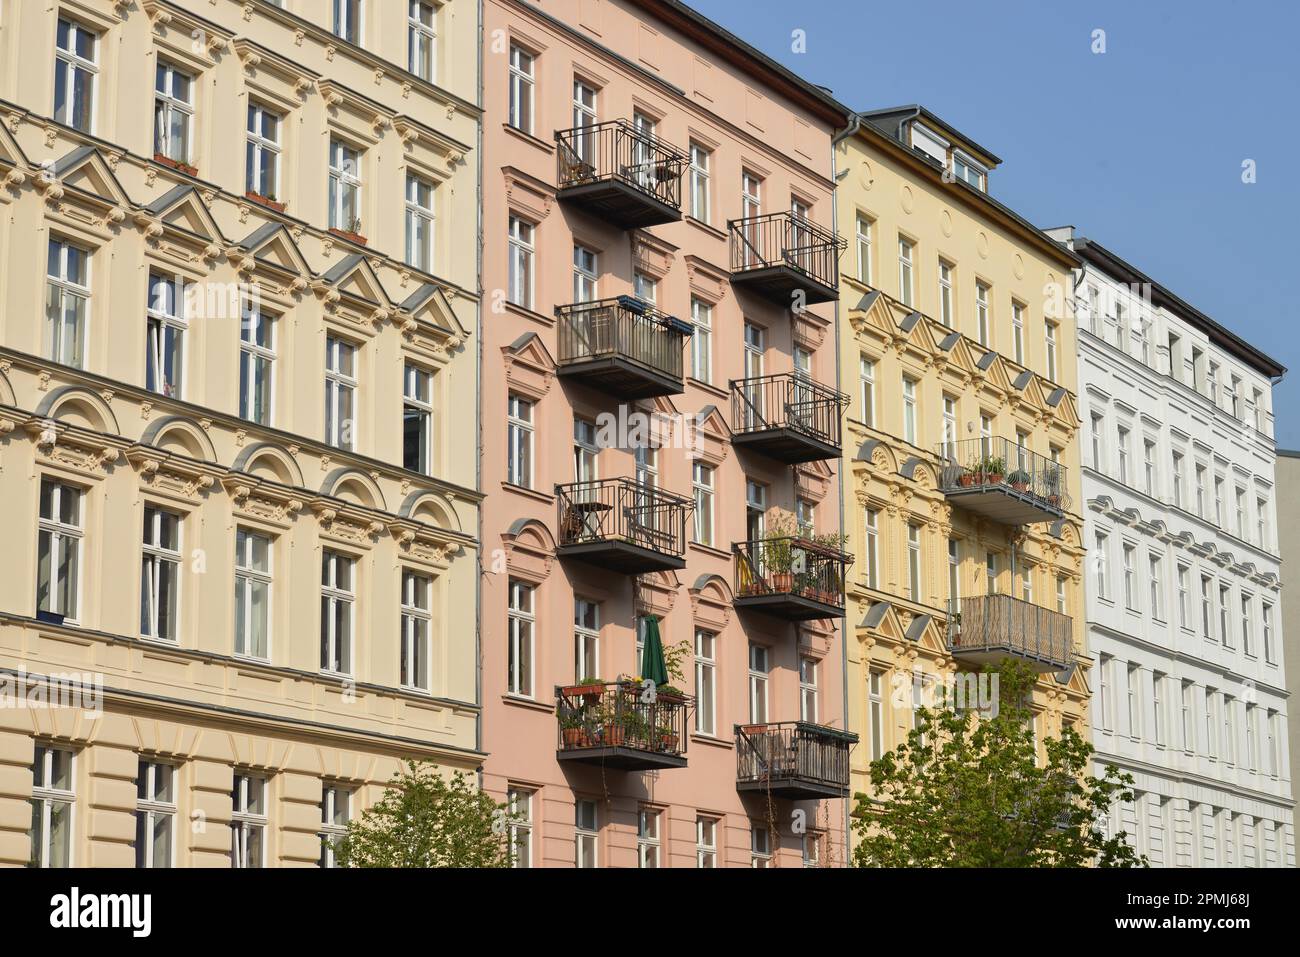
(793, 759)
(622, 525)
(612, 725)
(620, 174)
(622, 347)
(984, 629)
(787, 417)
(785, 258)
(1003, 481)
(790, 578)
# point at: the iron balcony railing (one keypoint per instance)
(993, 462)
(1005, 624)
(790, 566)
(617, 151)
(787, 400)
(792, 752)
(620, 715)
(624, 328)
(622, 510)
(785, 239)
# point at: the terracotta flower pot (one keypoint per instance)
(614, 735)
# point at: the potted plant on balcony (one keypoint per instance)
(352, 232)
(573, 729)
(266, 199)
(667, 737)
(1019, 480)
(954, 626)
(992, 468)
(1052, 482)
(589, 689)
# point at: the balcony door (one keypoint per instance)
(802, 400)
(755, 347)
(799, 253)
(646, 522)
(584, 116)
(751, 206)
(643, 158)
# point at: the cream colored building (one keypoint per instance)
(235, 318)
(962, 484)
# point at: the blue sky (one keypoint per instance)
(1140, 147)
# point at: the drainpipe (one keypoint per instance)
(478, 398)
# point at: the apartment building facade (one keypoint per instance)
(661, 436)
(241, 516)
(1184, 604)
(1288, 514)
(961, 462)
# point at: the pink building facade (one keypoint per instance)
(661, 430)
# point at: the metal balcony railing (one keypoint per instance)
(624, 331)
(622, 511)
(793, 758)
(790, 251)
(601, 719)
(616, 151)
(790, 573)
(974, 468)
(787, 400)
(988, 627)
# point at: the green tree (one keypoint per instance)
(966, 791)
(426, 820)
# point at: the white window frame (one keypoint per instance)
(420, 221)
(700, 184)
(153, 810)
(521, 256)
(422, 40)
(906, 271)
(702, 340)
(70, 63)
(586, 638)
(706, 842)
(45, 797)
(521, 630)
(262, 146)
(247, 578)
(586, 833)
(519, 831)
(809, 695)
(867, 387)
(334, 798)
(648, 842)
(862, 240)
(519, 440)
(69, 291)
(417, 630)
(61, 534)
(160, 326)
(156, 556)
(338, 592)
(348, 21)
(246, 822)
(702, 486)
(523, 65)
(706, 682)
(339, 432)
(417, 402)
(760, 668)
(256, 361)
(168, 106)
(345, 183)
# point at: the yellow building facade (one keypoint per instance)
(240, 522)
(961, 445)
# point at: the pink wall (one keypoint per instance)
(743, 122)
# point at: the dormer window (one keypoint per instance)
(966, 169)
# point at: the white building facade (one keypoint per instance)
(1184, 591)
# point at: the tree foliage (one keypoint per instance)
(966, 791)
(427, 820)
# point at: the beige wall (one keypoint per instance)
(192, 703)
(1288, 517)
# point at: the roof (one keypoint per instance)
(891, 120)
(1097, 254)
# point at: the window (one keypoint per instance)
(75, 73)
(862, 241)
(1247, 610)
(702, 341)
(1218, 501)
(751, 195)
(347, 20)
(867, 381)
(760, 847)
(58, 550)
(755, 510)
(1121, 446)
(645, 288)
(706, 670)
(991, 573)
(700, 160)
(1062, 601)
(873, 547)
(1018, 331)
(1225, 621)
(1133, 675)
(966, 171)
(519, 805)
(585, 451)
(419, 223)
(812, 854)
(805, 517)
(1130, 577)
(165, 335)
(67, 302)
(1099, 561)
(914, 561)
(1051, 350)
(155, 814)
(1229, 729)
(345, 187)
(1156, 574)
(1210, 727)
(1200, 490)
(954, 574)
(1266, 618)
(982, 313)
(337, 600)
(1027, 583)
(1104, 706)
(1178, 479)
(335, 812)
(587, 832)
(706, 842)
(262, 152)
(647, 838)
(417, 419)
(1149, 466)
(1252, 753)
(758, 670)
(252, 594)
(586, 639)
(909, 410)
(256, 363)
(1158, 708)
(808, 690)
(160, 574)
(876, 713)
(53, 798)
(949, 426)
(1241, 512)
(422, 43)
(1188, 725)
(1184, 598)
(173, 112)
(340, 393)
(1270, 742)
(1262, 538)
(585, 274)
(584, 115)
(521, 89)
(519, 623)
(248, 821)
(519, 442)
(905, 271)
(521, 263)
(1098, 457)
(1207, 609)
(702, 487)
(417, 627)
(945, 293)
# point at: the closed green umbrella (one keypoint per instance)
(652, 653)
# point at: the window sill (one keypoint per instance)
(699, 224)
(531, 704)
(708, 387)
(532, 493)
(527, 313)
(529, 138)
(710, 550)
(712, 741)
